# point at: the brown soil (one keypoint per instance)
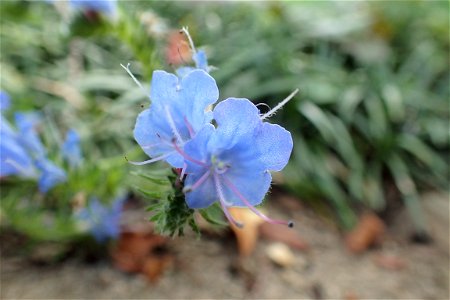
(209, 268)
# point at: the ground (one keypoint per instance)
(209, 268)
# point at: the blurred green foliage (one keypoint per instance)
(371, 117)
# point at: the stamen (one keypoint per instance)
(189, 127)
(223, 203)
(127, 68)
(279, 105)
(140, 163)
(252, 208)
(172, 125)
(191, 43)
(198, 183)
(187, 157)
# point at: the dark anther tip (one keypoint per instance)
(290, 224)
(126, 158)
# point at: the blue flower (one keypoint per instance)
(102, 221)
(176, 114)
(102, 6)
(231, 163)
(201, 62)
(26, 124)
(14, 160)
(5, 101)
(71, 150)
(50, 176)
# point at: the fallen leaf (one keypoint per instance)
(246, 236)
(153, 266)
(389, 262)
(284, 235)
(133, 248)
(367, 232)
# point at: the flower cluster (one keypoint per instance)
(23, 154)
(229, 162)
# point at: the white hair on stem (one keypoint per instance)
(279, 105)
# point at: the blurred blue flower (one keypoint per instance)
(26, 123)
(201, 62)
(102, 6)
(14, 160)
(5, 101)
(50, 176)
(176, 114)
(71, 150)
(231, 163)
(102, 221)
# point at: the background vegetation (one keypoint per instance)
(370, 125)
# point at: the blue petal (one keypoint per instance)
(201, 60)
(14, 160)
(204, 195)
(197, 149)
(187, 98)
(253, 186)
(154, 136)
(177, 106)
(5, 101)
(163, 89)
(236, 118)
(274, 144)
(105, 6)
(70, 149)
(104, 221)
(183, 71)
(26, 123)
(51, 175)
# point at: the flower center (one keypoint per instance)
(218, 166)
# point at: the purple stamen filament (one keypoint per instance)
(189, 127)
(223, 203)
(233, 188)
(198, 183)
(187, 157)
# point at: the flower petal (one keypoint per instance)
(253, 186)
(163, 88)
(236, 118)
(197, 148)
(204, 195)
(198, 91)
(26, 123)
(154, 136)
(274, 144)
(51, 175)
